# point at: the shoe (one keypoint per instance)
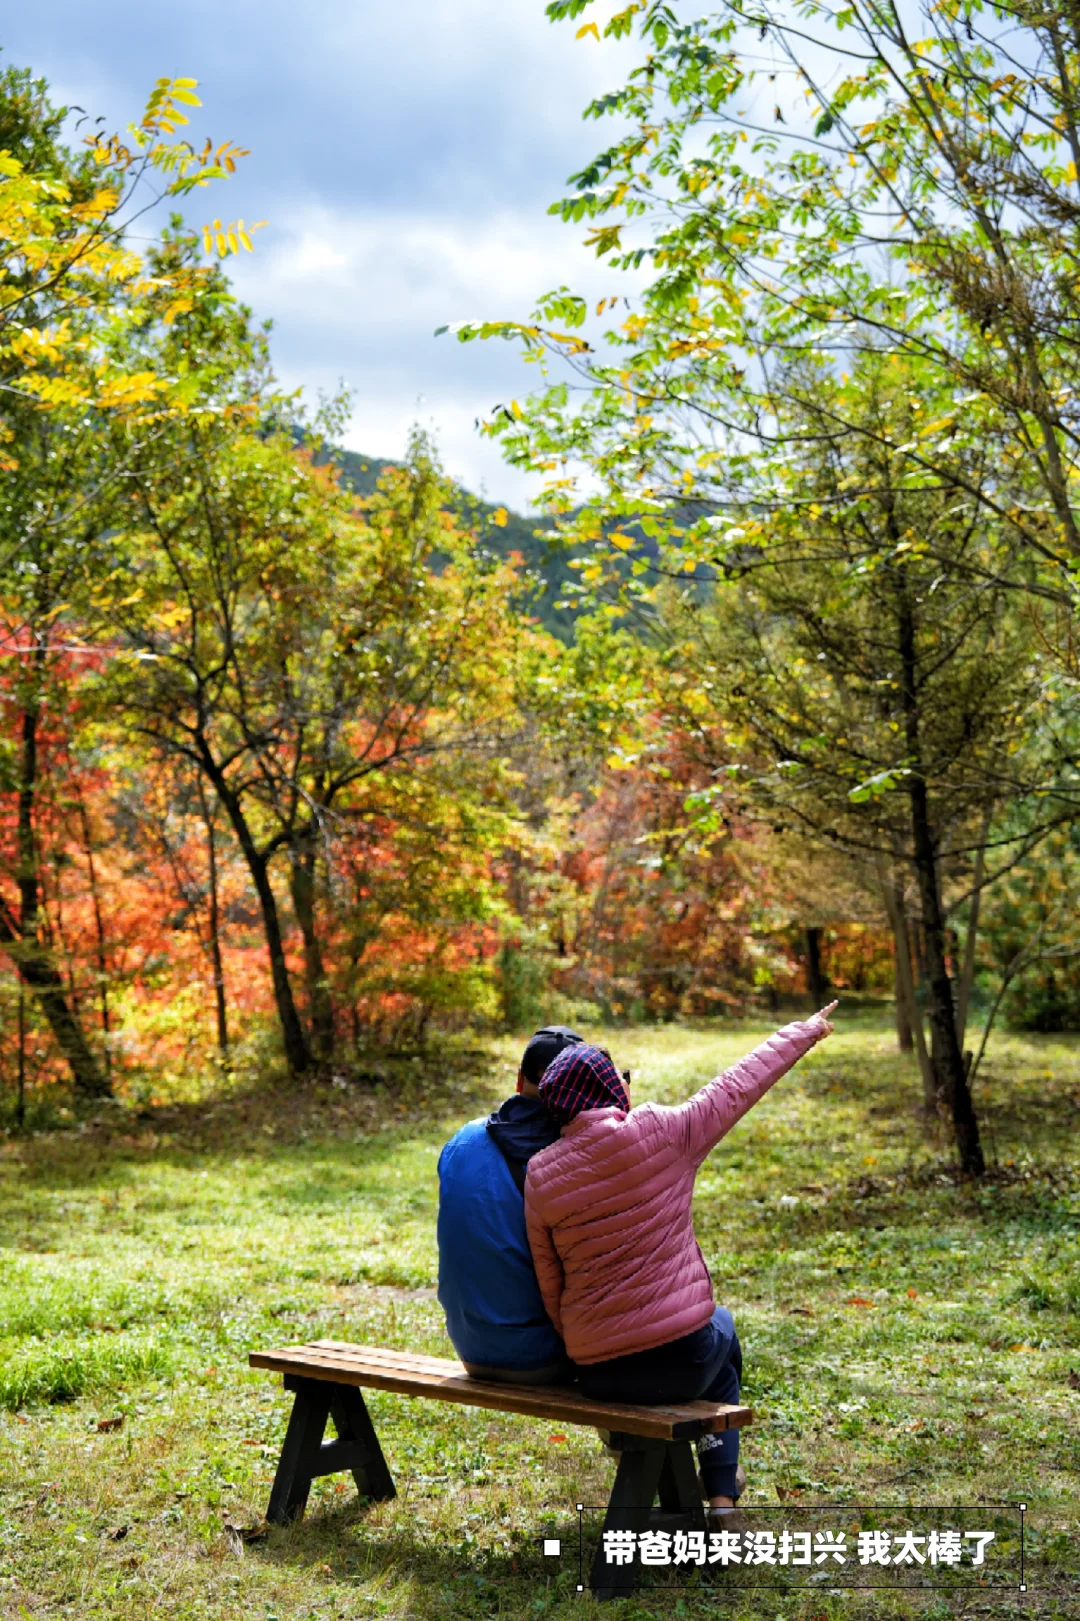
(728, 1519)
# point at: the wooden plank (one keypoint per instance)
(448, 1367)
(440, 1379)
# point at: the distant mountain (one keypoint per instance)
(547, 562)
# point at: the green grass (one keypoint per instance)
(908, 1337)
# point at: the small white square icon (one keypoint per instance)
(552, 1547)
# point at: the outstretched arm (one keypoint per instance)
(711, 1113)
(549, 1268)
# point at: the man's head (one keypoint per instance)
(540, 1050)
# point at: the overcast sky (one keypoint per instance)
(404, 153)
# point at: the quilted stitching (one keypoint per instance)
(608, 1209)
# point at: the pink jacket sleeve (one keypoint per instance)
(710, 1114)
(549, 1268)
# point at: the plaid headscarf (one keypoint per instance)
(581, 1077)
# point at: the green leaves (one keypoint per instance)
(883, 782)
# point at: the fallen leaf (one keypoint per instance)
(1074, 1379)
(801, 1311)
(106, 1424)
(787, 1493)
(118, 1533)
(237, 1535)
(977, 1415)
(556, 1437)
(913, 1294)
(860, 1300)
(1024, 1347)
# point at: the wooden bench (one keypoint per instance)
(656, 1452)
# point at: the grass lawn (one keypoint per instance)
(909, 1338)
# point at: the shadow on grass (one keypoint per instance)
(353, 1543)
(364, 1121)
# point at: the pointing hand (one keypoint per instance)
(824, 1017)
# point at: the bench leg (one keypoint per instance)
(355, 1429)
(641, 1464)
(680, 1487)
(305, 1455)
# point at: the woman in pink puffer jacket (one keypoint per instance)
(608, 1212)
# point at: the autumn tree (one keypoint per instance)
(69, 284)
(298, 652)
(868, 680)
(803, 188)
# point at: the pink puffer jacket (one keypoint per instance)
(608, 1209)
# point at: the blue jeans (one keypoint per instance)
(706, 1364)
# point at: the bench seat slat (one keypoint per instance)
(441, 1379)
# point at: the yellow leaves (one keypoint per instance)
(179, 306)
(626, 754)
(588, 28)
(226, 155)
(163, 109)
(54, 391)
(127, 389)
(622, 540)
(170, 618)
(604, 238)
(226, 239)
(97, 207)
(76, 251)
(33, 346)
(500, 517)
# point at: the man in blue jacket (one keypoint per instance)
(487, 1283)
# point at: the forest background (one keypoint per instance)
(322, 781)
(307, 758)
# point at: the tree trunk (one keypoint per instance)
(816, 979)
(320, 1005)
(297, 1051)
(905, 1038)
(907, 1006)
(37, 970)
(950, 1070)
(32, 959)
(967, 977)
(99, 929)
(214, 926)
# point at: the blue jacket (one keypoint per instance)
(487, 1281)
